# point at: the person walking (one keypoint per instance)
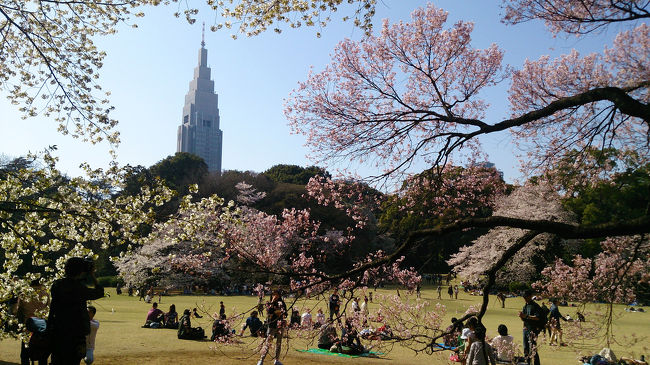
(439, 291)
(276, 312)
(556, 328)
(69, 322)
(531, 315)
(450, 291)
(502, 298)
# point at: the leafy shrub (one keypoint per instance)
(107, 281)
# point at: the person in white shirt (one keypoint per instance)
(355, 306)
(90, 338)
(364, 306)
(320, 317)
(503, 344)
(305, 319)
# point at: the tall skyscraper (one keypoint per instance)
(199, 132)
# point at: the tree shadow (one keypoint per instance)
(8, 363)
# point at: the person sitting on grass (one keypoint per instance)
(453, 332)
(220, 329)
(196, 314)
(503, 345)
(467, 336)
(305, 319)
(350, 339)
(254, 324)
(480, 353)
(155, 317)
(185, 329)
(328, 337)
(320, 319)
(295, 318)
(171, 318)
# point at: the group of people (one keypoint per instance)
(72, 328)
(469, 339)
(452, 291)
(68, 334)
(469, 343)
(156, 318)
(348, 343)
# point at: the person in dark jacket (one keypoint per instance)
(276, 312)
(531, 315)
(185, 329)
(68, 322)
(254, 324)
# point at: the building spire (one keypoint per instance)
(203, 36)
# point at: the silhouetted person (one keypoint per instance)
(69, 322)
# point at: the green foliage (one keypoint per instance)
(180, 170)
(620, 194)
(225, 185)
(516, 287)
(294, 174)
(108, 281)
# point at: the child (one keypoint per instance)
(90, 338)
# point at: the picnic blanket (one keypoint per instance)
(327, 352)
(443, 346)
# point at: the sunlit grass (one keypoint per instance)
(120, 339)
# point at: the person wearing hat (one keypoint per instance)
(467, 336)
(531, 315)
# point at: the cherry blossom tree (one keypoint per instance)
(452, 193)
(412, 94)
(611, 277)
(576, 16)
(252, 17)
(46, 217)
(289, 249)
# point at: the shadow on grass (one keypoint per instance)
(9, 363)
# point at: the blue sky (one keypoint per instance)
(148, 70)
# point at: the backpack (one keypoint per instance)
(39, 342)
(541, 323)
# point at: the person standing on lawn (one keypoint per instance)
(276, 313)
(334, 305)
(531, 315)
(69, 322)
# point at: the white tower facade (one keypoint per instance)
(199, 132)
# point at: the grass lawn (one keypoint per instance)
(120, 339)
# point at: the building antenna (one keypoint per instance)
(203, 36)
